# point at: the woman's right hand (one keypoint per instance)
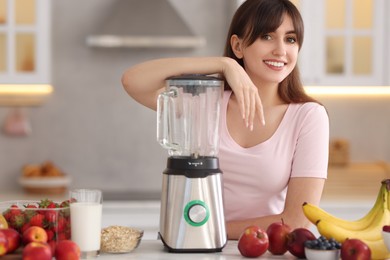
(245, 91)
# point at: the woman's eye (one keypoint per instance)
(291, 40)
(266, 37)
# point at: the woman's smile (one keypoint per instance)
(274, 64)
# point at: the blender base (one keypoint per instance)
(190, 250)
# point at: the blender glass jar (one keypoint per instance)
(188, 115)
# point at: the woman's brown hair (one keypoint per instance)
(255, 18)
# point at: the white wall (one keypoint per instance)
(102, 138)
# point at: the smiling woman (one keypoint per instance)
(270, 128)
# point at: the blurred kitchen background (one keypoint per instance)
(94, 132)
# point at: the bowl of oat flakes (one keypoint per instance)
(120, 239)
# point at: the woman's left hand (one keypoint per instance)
(245, 91)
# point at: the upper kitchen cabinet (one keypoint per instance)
(24, 42)
(345, 42)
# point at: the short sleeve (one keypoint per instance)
(312, 149)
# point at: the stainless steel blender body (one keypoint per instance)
(192, 216)
(192, 213)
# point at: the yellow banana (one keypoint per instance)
(373, 232)
(368, 229)
(315, 213)
(378, 249)
(377, 246)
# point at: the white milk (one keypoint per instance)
(86, 221)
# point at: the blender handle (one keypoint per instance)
(163, 119)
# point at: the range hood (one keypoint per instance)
(144, 24)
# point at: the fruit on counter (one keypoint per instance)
(386, 228)
(322, 243)
(37, 251)
(47, 214)
(14, 239)
(296, 241)
(34, 234)
(67, 250)
(315, 213)
(3, 243)
(355, 249)
(367, 229)
(253, 242)
(3, 222)
(277, 235)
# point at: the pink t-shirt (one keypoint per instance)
(256, 178)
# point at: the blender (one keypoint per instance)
(192, 213)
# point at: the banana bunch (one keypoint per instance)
(368, 228)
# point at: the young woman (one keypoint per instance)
(274, 138)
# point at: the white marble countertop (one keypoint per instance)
(154, 250)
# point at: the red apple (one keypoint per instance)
(67, 250)
(14, 239)
(52, 244)
(37, 251)
(34, 234)
(386, 228)
(355, 249)
(3, 243)
(253, 242)
(296, 241)
(277, 234)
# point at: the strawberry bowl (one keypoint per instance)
(52, 216)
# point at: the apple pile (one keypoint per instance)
(277, 239)
(36, 247)
(280, 238)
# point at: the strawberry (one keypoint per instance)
(10, 213)
(30, 206)
(15, 210)
(37, 220)
(50, 235)
(25, 227)
(17, 221)
(46, 203)
(30, 211)
(7, 215)
(51, 217)
(62, 224)
(65, 204)
(61, 236)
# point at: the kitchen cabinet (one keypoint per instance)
(345, 42)
(24, 41)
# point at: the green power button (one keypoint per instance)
(196, 213)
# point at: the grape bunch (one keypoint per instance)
(322, 243)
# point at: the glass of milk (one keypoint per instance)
(86, 220)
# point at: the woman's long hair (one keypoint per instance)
(255, 18)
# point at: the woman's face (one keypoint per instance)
(272, 57)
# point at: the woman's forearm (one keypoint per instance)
(146, 80)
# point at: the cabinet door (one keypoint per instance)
(24, 41)
(344, 42)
